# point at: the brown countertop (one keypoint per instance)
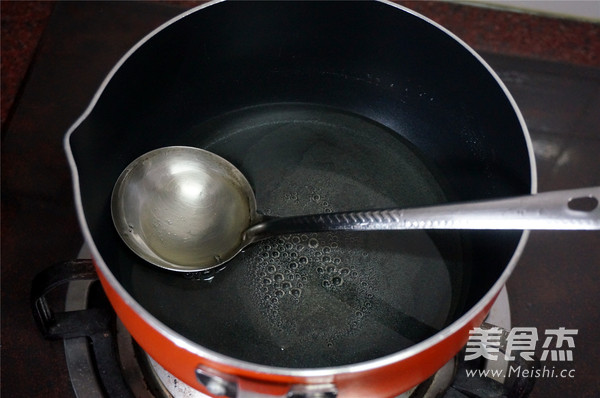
(511, 33)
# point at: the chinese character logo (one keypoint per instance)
(563, 337)
(483, 343)
(487, 343)
(523, 340)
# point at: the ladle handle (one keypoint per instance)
(575, 209)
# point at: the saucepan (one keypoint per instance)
(324, 107)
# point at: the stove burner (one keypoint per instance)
(104, 361)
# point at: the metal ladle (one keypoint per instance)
(187, 209)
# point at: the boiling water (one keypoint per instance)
(320, 299)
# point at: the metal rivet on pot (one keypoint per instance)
(216, 385)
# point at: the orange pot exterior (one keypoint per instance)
(384, 381)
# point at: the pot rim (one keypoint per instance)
(216, 357)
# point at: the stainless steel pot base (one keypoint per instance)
(326, 299)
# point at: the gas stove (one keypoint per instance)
(103, 360)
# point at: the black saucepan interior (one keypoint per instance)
(325, 106)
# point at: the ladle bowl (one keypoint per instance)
(187, 209)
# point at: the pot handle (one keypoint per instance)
(222, 385)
